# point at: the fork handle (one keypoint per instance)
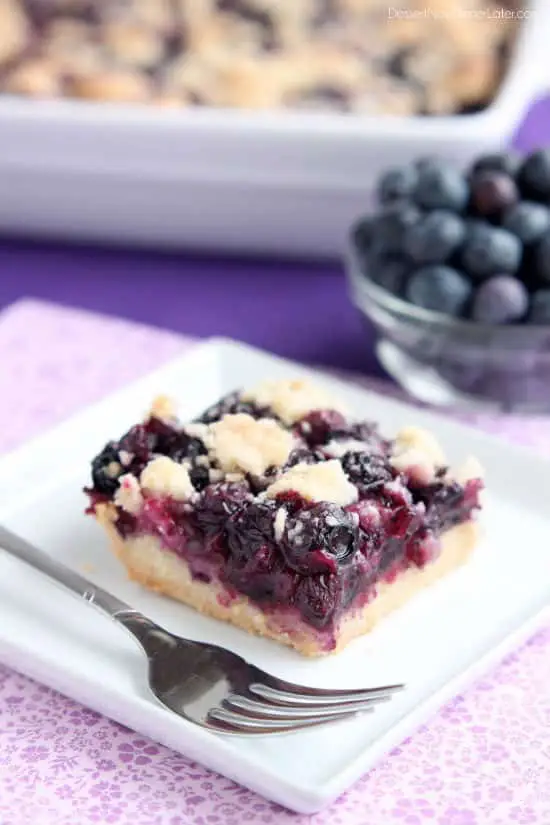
(91, 593)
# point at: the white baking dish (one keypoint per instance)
(286, 183)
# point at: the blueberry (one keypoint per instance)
(106, 468)
(231, 405)
(500, 300)
(139, 442)
(542, 258)
(200, 476)
(390, 273)
(435, 237)
(391, 224)
(318, 426)
(507, 162)
(527, 220)
(489, 250)
(302, 455)
(396, 184)
(440, 186)
(363, 234)
(534, 176)
(317, 598)
(539, 312)
(425, 162)
(250, 529)
(366, 471)
(317, 539)
(217, 504)
(492, 193)
(439, 288)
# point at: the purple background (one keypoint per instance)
(294, 309)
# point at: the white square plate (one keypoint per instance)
(437, 642)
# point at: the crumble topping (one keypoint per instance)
(469, 470)
(166, 477)
(240, 443)
(125, 458)
(163, 407)
(128, 496)
(279, 523)
(420, 439)
(113, 469)
(325, 481)
(291, 400)
(417, 451)
(198, 430)
(338, 449)
(14, 30)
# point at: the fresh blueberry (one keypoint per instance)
(492, 193)
(534, 176)
(363, 235)
(317, 539)
(440, 186)
(527, 220)
(389, 272)
(539, 312)
(506, 162)
(396, 184)
(439, 288)
(489, 250)
(425, 162)
(391, 224)
(542, 258)
(435, 237)
(500, 300)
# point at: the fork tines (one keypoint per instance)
(281, 707)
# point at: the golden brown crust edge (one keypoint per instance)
(157, 569)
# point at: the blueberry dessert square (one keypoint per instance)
(280, 513)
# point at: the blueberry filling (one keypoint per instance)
(313, 560)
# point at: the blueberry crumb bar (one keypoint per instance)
(278, 512)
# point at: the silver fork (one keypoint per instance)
(204, 683)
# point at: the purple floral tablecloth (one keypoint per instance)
(483, 760)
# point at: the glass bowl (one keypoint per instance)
(451, 362)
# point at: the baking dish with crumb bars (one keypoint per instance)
(245, 124)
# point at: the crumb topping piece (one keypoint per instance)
(164, 476)
(200, 431)
(325, 481)
(279, 523)
(469, 470)
(163, 407)
(418, 452)
(292, 399)
(240, 443)
(128, 496)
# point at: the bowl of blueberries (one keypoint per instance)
(452, 269)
